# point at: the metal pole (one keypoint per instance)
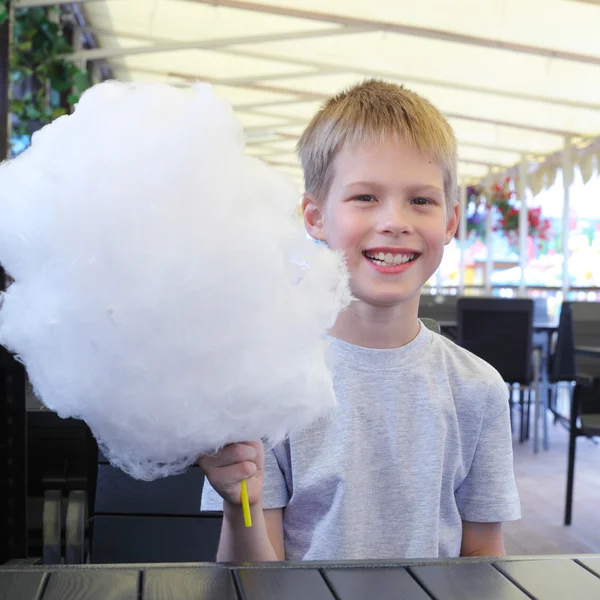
(462, 238)
(567, 168)
(489, 261)
(523, 224)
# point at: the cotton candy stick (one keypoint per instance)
(246, 504)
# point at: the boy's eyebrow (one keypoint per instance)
(413, 188)
(362, 183)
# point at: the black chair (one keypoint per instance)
(582, 321)
(561, 362)
(61, 469)
(500, 331)
(158, 521)
(442, 309)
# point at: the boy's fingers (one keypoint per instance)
(230, 455)
(233, 474)
(236, 453)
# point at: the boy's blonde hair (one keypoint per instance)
(372, 111)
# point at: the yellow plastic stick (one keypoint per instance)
(246, 505)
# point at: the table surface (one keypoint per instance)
(542, 578)
(545, 325)
(588, 350)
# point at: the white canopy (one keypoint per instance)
(514, 77)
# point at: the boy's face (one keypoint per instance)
(386, 211)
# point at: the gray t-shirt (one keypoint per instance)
(420, 442)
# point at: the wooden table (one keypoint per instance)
(593, 351)
(542, 578)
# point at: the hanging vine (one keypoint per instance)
(3, 12)
(45, 83)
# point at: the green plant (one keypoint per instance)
(45, 83)
(3, 12)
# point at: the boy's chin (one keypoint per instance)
(388, 298)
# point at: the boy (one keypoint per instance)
(416, 461)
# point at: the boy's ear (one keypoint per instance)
(452, 223)
(314, 219)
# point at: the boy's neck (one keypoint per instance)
(380, 327)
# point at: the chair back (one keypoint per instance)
(439, 307)
(586, 332)
(500, 331)
(562, 355)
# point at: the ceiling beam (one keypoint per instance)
(32, 3)
(349, 69)
(495, 148)
(227, 81)
(210, 44)
(388, 26)
(313, 96)
(500, 122)
(328, 68)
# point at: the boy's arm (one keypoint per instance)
(482, 539)
(261, 542)
(221, 492)
(488, 495)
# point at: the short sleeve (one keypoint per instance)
(275, 488)
(489, 493)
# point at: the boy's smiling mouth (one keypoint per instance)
(390, 257)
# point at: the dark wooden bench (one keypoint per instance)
(159, 521)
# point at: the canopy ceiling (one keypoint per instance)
(514, 77)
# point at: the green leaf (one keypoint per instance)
(81, 81)
(25, 46)
(58, 112)
(32, 112)
(3, 14)
(60, 84)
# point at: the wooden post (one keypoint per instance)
(567, 169)
(489, 261)
(523, 224)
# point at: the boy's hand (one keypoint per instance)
(226, 470)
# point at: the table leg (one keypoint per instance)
(536, 417)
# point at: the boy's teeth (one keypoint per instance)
(390, 259)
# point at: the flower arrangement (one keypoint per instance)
(503, 198)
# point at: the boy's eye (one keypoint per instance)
(421, 201)
(365, 198)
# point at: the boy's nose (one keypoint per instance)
(394, 221)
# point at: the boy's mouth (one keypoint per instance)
(389, 259)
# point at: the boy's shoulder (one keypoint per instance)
(470, 377)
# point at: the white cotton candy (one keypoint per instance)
(164, 290)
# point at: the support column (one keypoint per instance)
(523, 224)
(489, 261)
(462, 238)
(567, 169)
